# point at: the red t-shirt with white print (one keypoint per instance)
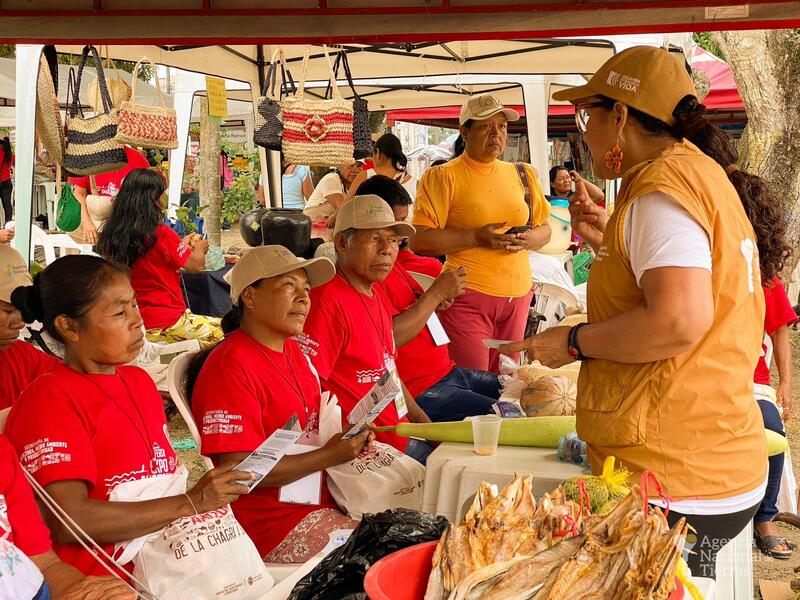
(778, 313)
(20, 364)
(104, 430)
(109, 184)
(156, 279)
(20, 520)
(246, 391)
(348, 336)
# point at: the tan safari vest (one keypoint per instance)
(690, 419)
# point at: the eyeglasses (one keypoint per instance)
(582, 115)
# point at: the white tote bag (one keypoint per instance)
(207, 556)
(375, 481)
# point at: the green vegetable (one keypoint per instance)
(538, 432)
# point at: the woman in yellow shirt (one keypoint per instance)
(464, 210)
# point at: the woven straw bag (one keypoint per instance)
(49, 126)
(268, 132)
(362, 136)
(147, 126)
(317, 133)
(91, 145)
(118, 88)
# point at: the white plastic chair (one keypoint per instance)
(176, 383)
(4, 418)
(49, 243)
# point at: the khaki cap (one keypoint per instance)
(369, 212)
(480, 108)
(651, 80)
(13, 272)
(264, 262)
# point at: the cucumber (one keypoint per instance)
(538, 432)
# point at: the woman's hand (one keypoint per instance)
(99, 588)
(218, 487)
(533, 239)
(784, 399)
(487, 237)
(588, 219)
(6, 235)
(548, 347)
(341, 451)
(89, 230)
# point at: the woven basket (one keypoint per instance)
(49, 126)
(318, 133)
(118, 88)
(268, 132)
(147, 126)
(91, 146)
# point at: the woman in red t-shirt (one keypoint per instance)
(134, 234)
(92, 424)
(256, 380)
(6, 186)
(21, 525)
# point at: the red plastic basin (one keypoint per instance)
(403, 575)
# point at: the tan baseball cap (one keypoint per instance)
(480, 108)
(369, 212)
(270, 261)
(13, 272)
(652, 80)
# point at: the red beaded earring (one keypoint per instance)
(614, 158)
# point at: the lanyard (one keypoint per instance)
(296, 387)
(379, 330)
(141, 430)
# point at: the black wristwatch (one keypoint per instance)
(573, 347)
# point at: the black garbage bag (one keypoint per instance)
(341, 575)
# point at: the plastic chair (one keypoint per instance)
(176, 383)
(4, 418)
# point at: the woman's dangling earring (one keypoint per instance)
(614, 158)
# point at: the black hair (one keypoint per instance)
(70, 286)
(389, 144)
(231, 321)
(129, 232)
(386, 188)
(762, 207)
(5, 145)
(555, 170)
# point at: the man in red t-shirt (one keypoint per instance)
(104, 184)
(348, 332)
(444, 391)
(20, 362)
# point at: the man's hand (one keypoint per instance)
(99, 588)
(6, 235)
(449, 285)
(784, 399)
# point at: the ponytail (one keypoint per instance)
(389, 144)
(761, 206)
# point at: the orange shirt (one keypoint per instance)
(466, 194)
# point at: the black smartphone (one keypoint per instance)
(518, 229)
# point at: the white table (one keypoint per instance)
(454, 472)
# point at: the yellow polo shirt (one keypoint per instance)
(467, 194)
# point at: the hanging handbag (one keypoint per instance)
(147, 126)
(362, 136)
(49, 126)
(68, 210)
(91, 145)
(118, 88)
(268, 131)
(317, 133)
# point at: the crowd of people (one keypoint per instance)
(675, 307)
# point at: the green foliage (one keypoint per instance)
(240, 197)
(8, 51)
(186, 214)
(707, 43)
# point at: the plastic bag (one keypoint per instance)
(572, 449)
(341, 575)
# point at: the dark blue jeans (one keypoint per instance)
(459, 394)
(43, 593)
(768, 508)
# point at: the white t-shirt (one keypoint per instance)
(659, 232)
(410, 185)
(329, 185)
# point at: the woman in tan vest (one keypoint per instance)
(675, 302)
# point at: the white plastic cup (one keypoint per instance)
(485, 434)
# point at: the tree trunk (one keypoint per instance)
(766, 67)
(210, 192)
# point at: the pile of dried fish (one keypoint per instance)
(631, 553)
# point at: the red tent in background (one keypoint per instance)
(723, 95)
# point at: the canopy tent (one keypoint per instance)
(193, 22)
(723, 92)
